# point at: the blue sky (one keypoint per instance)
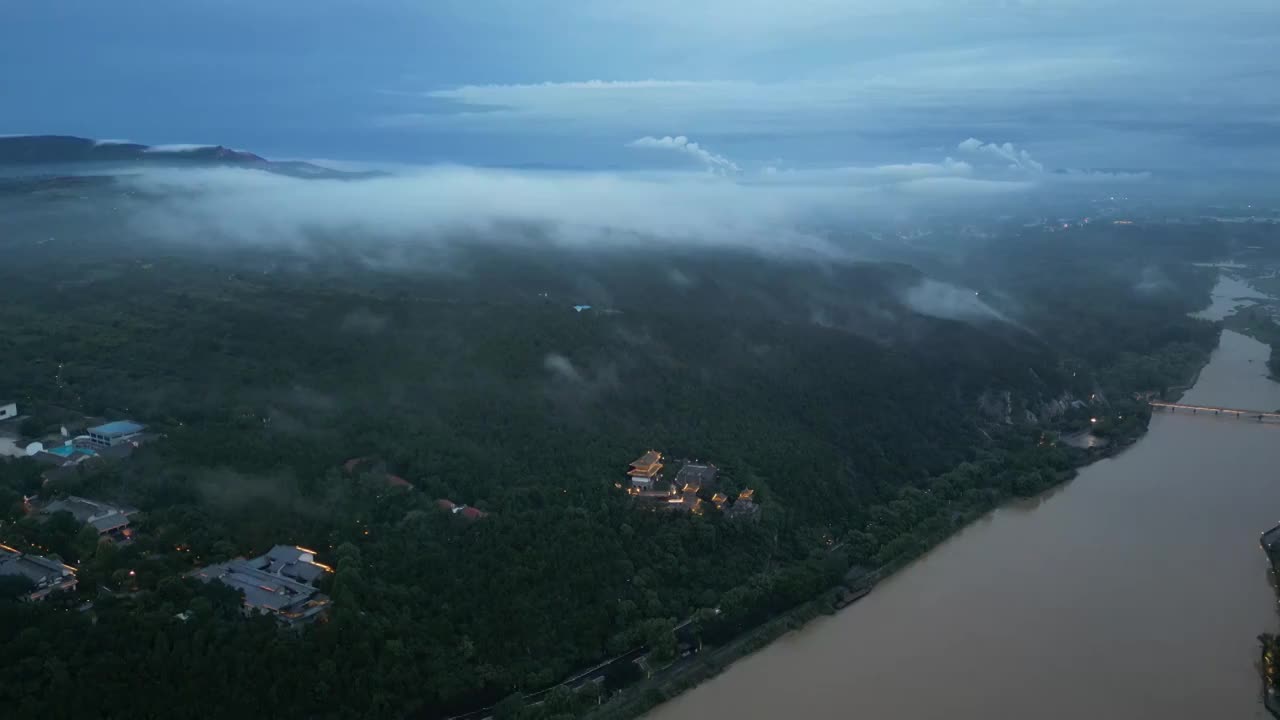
(761, 85)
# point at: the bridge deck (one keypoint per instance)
(1238, 412)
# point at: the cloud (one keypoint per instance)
(435, 206)
(1098, 85)
(562, 367)
(177, 147)
(1070, 175)
(363, 321)
(947, 301)
(1017, 159)
(682, 144)
(1073, 83)
(791, 212)
(571, 386)
(870, 174)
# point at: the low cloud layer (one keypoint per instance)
(682, 144)
(177, 147)
(774, 211)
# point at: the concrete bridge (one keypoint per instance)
(1258, 415)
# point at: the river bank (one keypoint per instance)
(689, 673)
(1066, 590)
(710, 664)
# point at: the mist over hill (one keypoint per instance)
(872, 363)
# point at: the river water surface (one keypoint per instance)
(1136, 590)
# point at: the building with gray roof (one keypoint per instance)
(696, 476)
(279, 583)
(48, 576)
(107, 519)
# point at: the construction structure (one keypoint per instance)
(280, 583)
(46, 576)
(645, 470)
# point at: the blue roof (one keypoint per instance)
(119, 427)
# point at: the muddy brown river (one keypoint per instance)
(1136, 590)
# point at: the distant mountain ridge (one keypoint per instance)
(42, 150)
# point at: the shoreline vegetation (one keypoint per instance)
(1258, 321)
(635, 701)
(1269, 650)
(1269, 663)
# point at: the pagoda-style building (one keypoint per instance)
(644, 470)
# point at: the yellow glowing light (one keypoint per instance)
(302, 549)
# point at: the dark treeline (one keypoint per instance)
(862, 424)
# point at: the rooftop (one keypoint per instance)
(294, 562)
(119, 427)
(88, 511)
(695, 475)
(46, 574)
(645, 472)
(107, 523)
(397, 481)
(278, 582)
(647, 460)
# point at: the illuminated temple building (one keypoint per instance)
(645, 470)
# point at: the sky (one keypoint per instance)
(723, 86)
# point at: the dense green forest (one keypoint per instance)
(866, 421)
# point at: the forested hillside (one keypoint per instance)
(859, 410)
